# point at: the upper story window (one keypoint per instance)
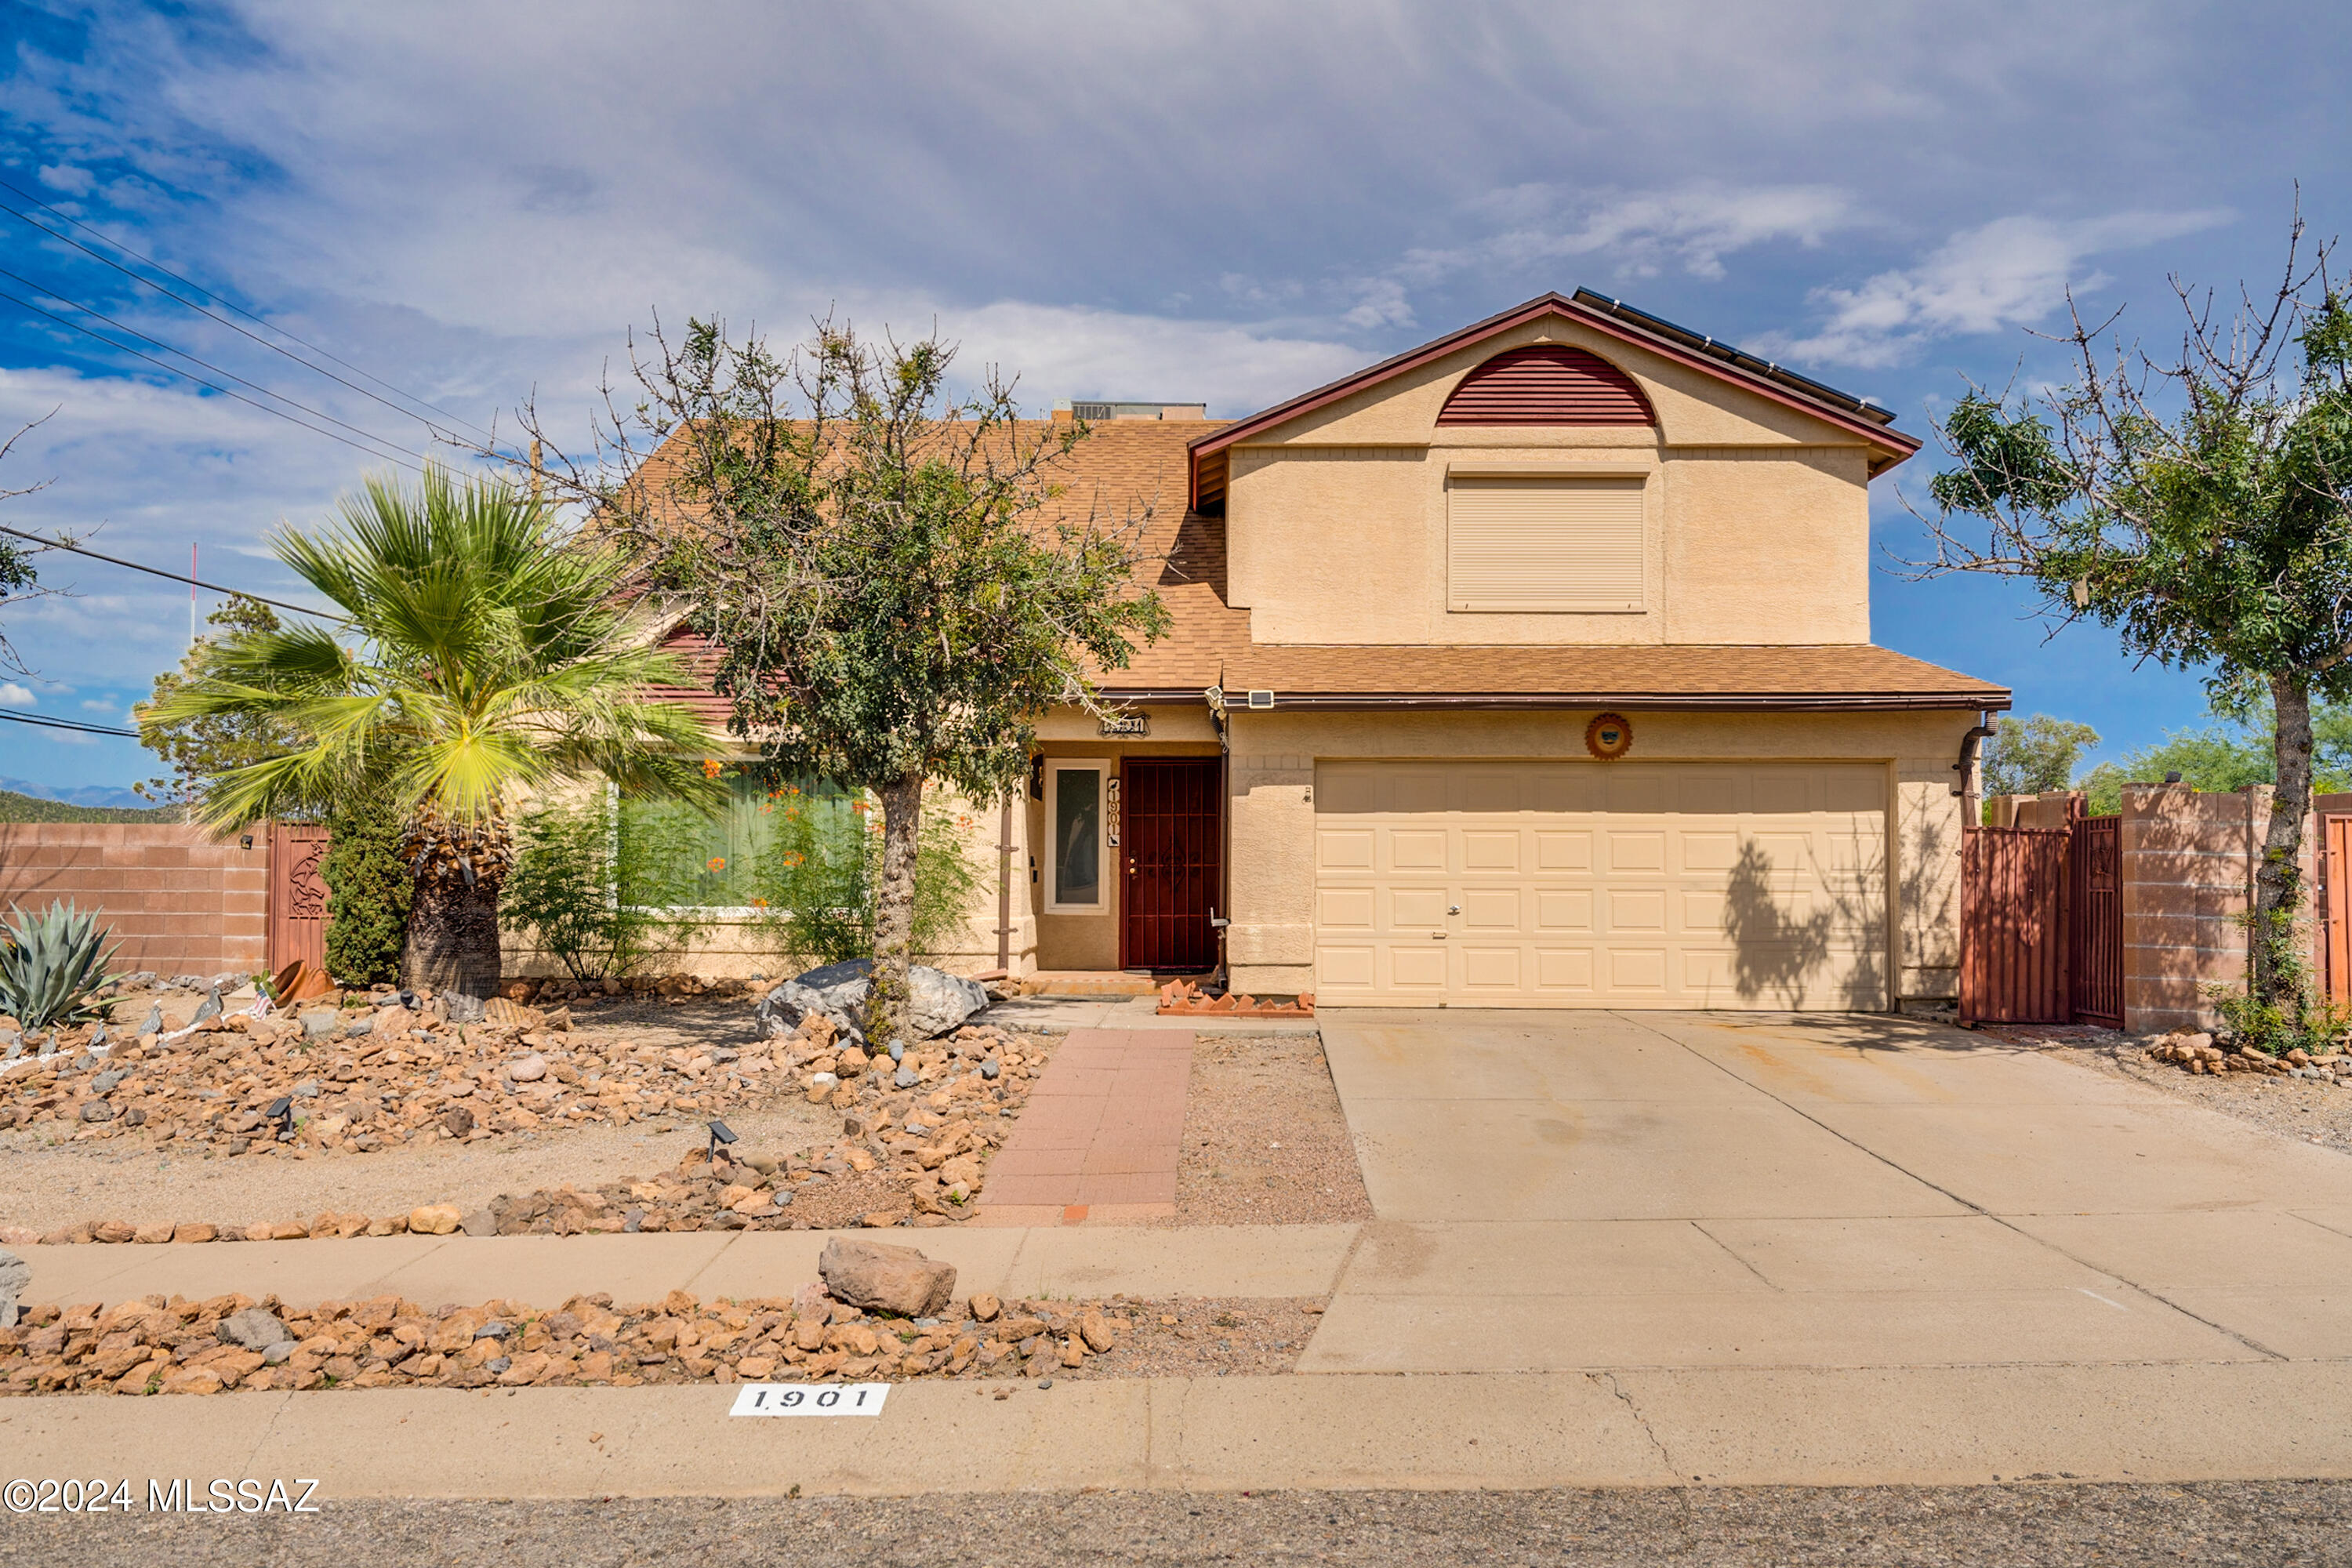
(1544, 544)
(1547, 383)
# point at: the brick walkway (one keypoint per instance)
(1099, 1136)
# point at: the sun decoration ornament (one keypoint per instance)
(1609, 736)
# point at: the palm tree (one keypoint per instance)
(487, 658)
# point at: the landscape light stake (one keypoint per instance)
(281, 1111)
(719, 1134)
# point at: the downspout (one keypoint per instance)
(1966, 768)
(1215, 698)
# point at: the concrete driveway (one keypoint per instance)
(1596, 1190)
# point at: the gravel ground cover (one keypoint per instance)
(357, 1078)
(2254, 1523)
(829, 1139)
(149, 1345)
(2308, 1110)
(1265, 1139)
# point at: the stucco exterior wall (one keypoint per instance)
(1271, 806)
(1757, 516)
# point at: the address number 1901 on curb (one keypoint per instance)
(810, 1399)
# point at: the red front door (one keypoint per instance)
(1168, 842)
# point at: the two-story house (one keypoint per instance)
(1531, 668)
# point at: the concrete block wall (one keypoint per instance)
(180, 902)
(2188, 875)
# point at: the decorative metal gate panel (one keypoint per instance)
(2096, 908)
(298, 896)
(2335, 943)
(2014, 897)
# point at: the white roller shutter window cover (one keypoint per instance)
(1545, 544)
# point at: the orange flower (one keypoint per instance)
(711, 767)
(716, 863)
(857, 805)
(759, 903)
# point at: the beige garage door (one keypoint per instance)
(1627, 884)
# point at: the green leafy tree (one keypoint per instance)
(199, 748)
(604, 897)
(885, 566)
(2035, 755)
(2201, 505)
(487, 658)
(369, 891)
(2236, 749)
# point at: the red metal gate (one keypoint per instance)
(2042, 930)
(2334, 943)
(2013, 896)
(2095, 911)
(298, 896)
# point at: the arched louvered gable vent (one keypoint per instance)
(1547, 383)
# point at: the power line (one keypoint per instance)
(229, 304)
(187, 577)
(43, 721)
(200, 380)
(63, 299)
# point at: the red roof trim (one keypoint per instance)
(1892, 441)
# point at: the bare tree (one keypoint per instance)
(2201, 505)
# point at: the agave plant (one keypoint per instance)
(49, 964)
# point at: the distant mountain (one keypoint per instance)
(81, 794)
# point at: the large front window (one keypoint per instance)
(744, 857)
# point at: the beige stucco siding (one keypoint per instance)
(1271, 802)
(1766, 546)
(1757, 515)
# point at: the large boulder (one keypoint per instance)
(879, 1278)
(16, 1278)
(937, 1001)
(255, 1328)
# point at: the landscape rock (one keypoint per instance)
(16, 1278)
(937, 1001)
(879, 1278)
(255, 1328)
(434, 1219)
(527, 1070)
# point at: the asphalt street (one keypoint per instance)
(2014, 1526)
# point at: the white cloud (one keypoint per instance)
(100, 705)
(15, 696)
(2011, 272)
(1692, 227)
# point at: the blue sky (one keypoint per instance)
(1208, 201)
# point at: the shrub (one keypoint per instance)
(369, 891)
(817, 876)
(49, 964)
(604, 902)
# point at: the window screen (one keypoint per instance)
(1544, 544)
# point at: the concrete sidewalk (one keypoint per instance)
(1919, 1426)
